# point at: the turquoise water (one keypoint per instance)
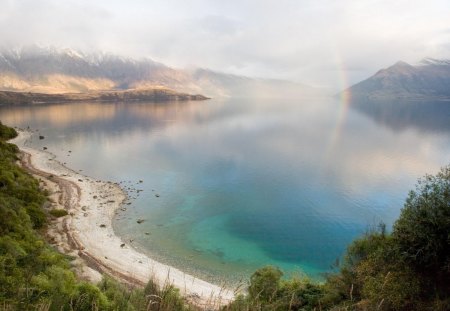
(232, 185)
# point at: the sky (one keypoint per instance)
(327, 43)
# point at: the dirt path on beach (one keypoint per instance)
(67, 194)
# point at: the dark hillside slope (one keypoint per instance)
(430, 79)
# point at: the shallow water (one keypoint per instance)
(229, 186)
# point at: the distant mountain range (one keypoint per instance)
(55, 71)
(428, 80)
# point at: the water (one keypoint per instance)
(244, 183)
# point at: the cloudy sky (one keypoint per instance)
(318, 42)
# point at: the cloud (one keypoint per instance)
(307, 41)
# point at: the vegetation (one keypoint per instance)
(146, 95)
(268, 291)
(7, 132)
(408, 269)
(33, 276)
(423, 231)
(58, 213)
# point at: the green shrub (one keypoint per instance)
(264, 283)
(88, 297)
(7, 132)
(299, 294)
(58, 213)
(121, 297)
(165, 298)
(268, 291)
(406, 270)
(423, 230)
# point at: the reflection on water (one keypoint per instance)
(98, 116)
(244, 183)
(400, 114)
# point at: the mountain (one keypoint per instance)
(226, 85)
(55, 71)
(49, 70)
(430, 79)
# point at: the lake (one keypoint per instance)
(227, 186)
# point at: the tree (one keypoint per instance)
(422, 232)
(264, 283)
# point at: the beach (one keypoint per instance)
(86, 233)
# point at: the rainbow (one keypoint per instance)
(344, 102)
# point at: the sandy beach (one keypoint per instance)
(87, 232)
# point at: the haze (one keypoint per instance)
(321, 43)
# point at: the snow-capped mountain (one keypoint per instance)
(52, 70)
(66, 70)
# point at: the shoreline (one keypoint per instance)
(87, 232)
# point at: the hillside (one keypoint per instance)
(153, 95)
(48, 70)
(54, 71)
(428, 80)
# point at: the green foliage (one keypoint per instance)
(299, 294)
(406, 270)
(19, 191)
(264, 283)
(27, 264)
(423, 230)
(6, 132)
(121, 297)
(380, 277)
(33, 276)
(166, 298)
(89, 297)
(268, 291)
(58, 213)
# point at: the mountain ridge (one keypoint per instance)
(53, 70)
(36, 68)
(430, 79)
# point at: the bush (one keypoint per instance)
(165, 298)
(268, 291)
(422, 232)
(89, 297)
(58, 213)
(299, 294)
(7, 132)
(264, 283)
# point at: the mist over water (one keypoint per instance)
(231, 185)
